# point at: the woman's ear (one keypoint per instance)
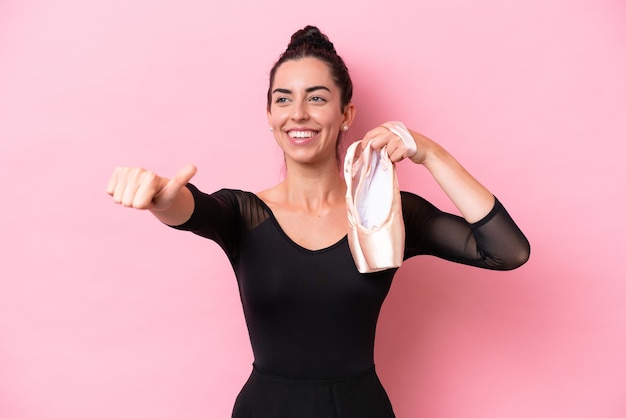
(348, 115)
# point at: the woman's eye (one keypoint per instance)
(317, 99)
(281, 100)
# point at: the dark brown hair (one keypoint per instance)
(310, 42)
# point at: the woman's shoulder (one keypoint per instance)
(410, 197)
(415, 206)
(223, 194)
(238, 197)
(245, 204)
(273, 194)
(273, 197)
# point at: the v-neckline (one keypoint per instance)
(289, 239)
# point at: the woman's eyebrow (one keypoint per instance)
(308, 90)
(314, 88)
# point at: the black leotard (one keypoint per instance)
(311, 314)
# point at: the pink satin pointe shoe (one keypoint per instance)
(376, 235)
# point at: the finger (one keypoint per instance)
(392, 147)
(146, 190)
(184, 175)
(128, 193)
(129, 183)
(396, 155)
(117, 184)
(373, 134)
(112, 182)
(177, 182)
(381, 140)
(404, 135)
(120, 184)
(399, 150)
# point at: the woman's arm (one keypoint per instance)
(167, 199)
(486, 236)
(472, 199)
(494, 242)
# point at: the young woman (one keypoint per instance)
(310, 314)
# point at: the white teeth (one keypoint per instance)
(302, 134)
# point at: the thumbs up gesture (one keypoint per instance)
(143, 189)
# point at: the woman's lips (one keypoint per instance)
(301, 136)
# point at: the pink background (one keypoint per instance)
(105, 313)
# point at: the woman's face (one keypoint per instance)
(305, 113)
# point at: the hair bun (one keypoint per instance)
(312, 37)
(311, 42)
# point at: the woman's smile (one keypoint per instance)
(302, 136)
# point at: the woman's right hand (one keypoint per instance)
(143, 189)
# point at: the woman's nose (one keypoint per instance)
(299, 111)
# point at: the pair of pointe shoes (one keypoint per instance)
(376, 234)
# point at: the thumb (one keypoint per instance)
(173, 186)
(183, 176)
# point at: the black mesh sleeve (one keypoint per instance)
(216, 217)
(495, 242)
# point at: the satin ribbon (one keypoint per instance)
(399, 129)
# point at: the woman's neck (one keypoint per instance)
(314, 189)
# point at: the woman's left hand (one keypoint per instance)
(397, 148)
(472, 199)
